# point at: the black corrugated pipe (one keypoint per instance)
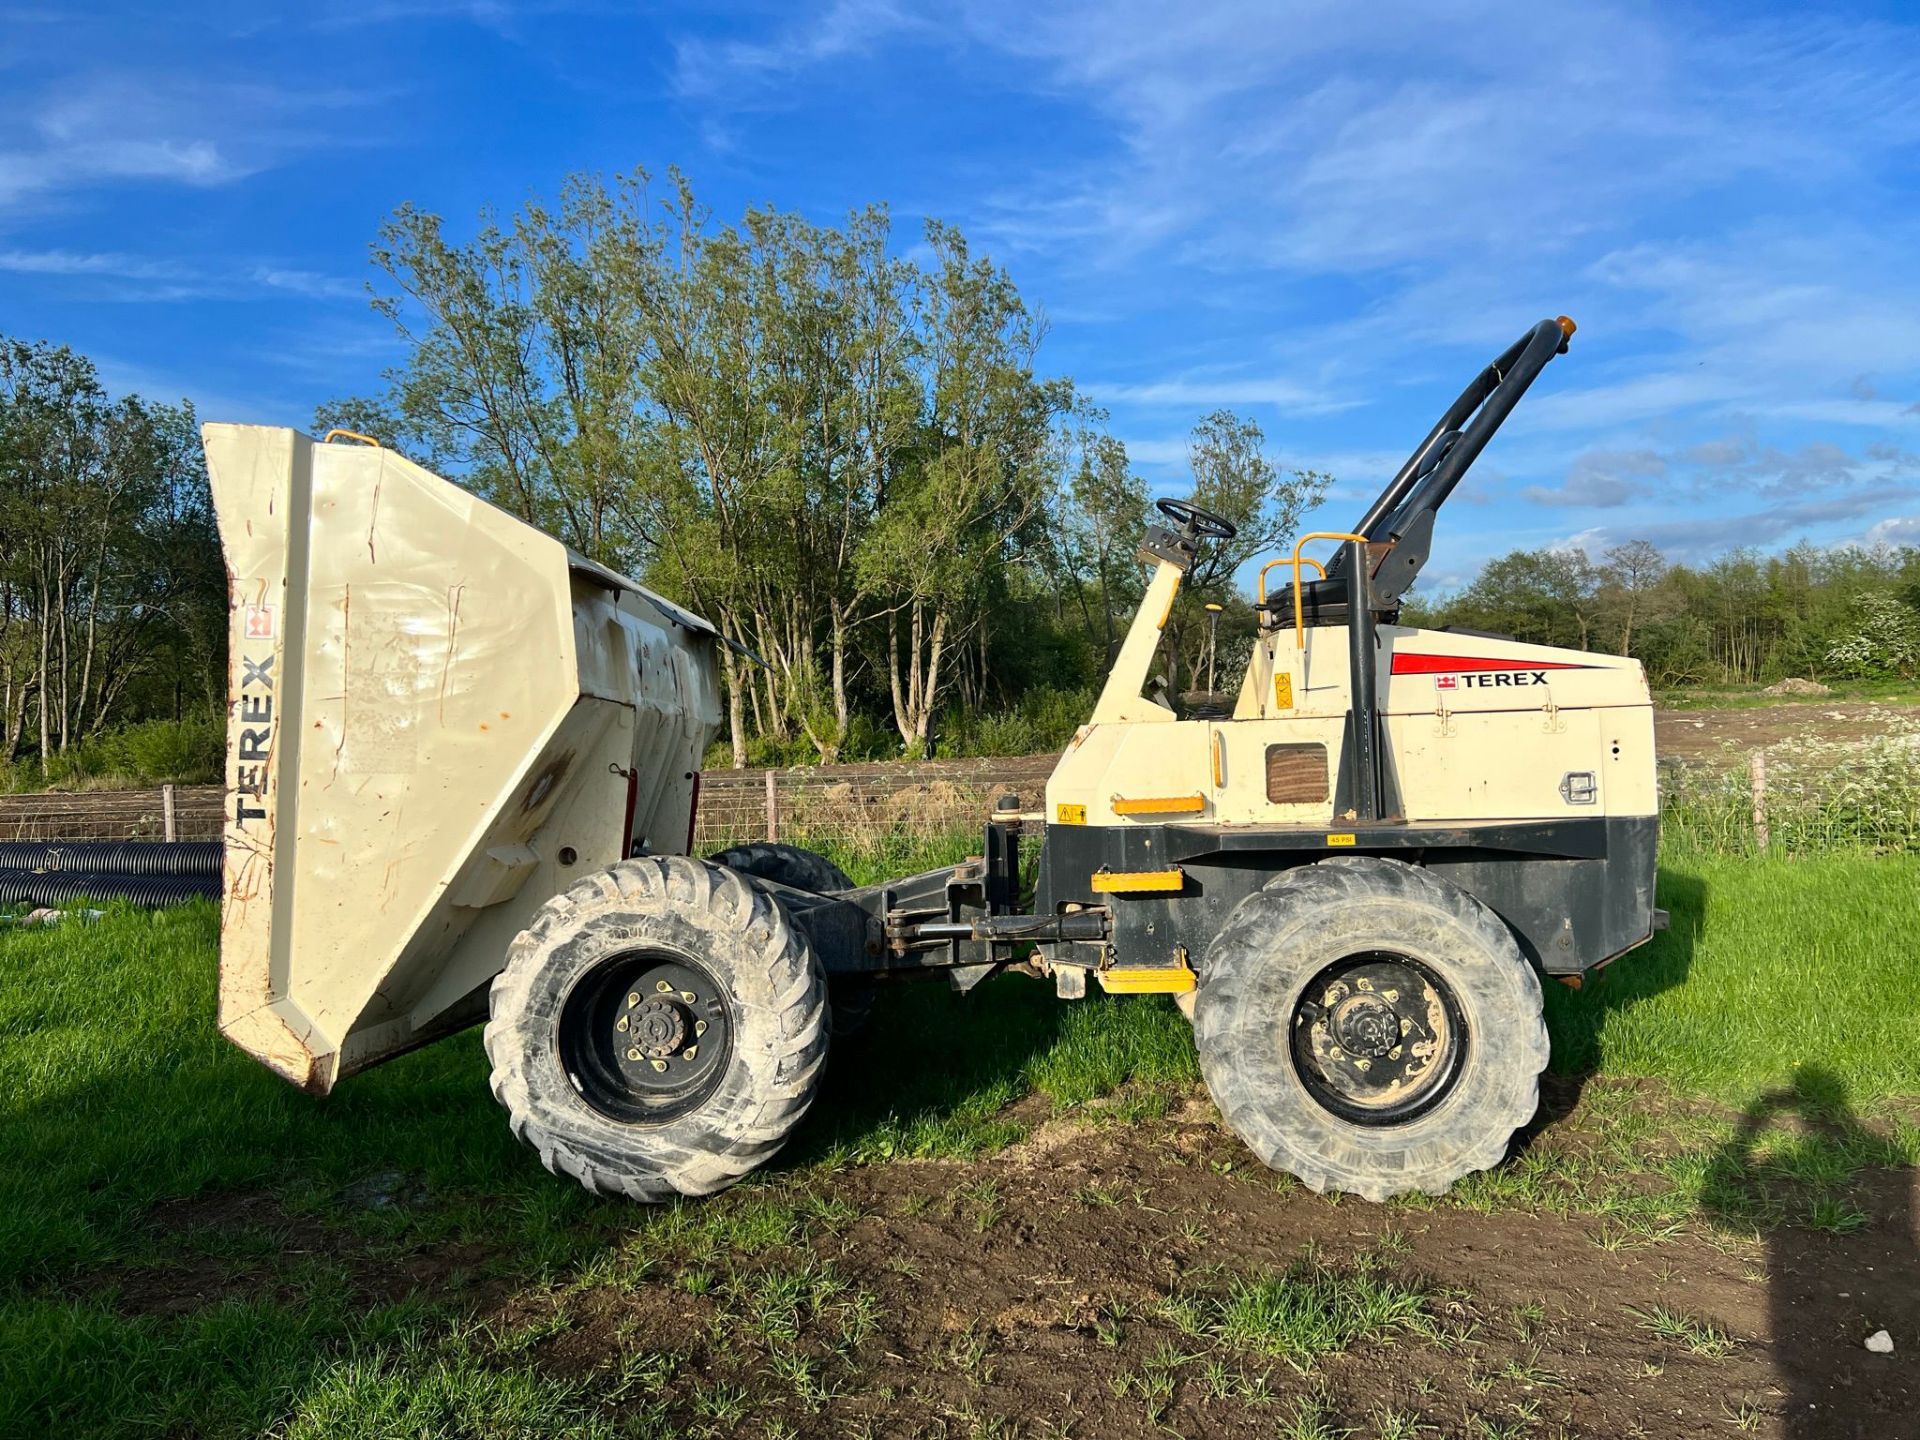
(26, 887)
(113, 857)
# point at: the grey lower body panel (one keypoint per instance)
(1568, 915)
(1575, 893)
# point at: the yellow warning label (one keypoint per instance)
(1070, 814)
(1339, 839)
(1283, 692)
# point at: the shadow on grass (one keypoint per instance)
(934, 1073)
(1577, 1018)
(1843, 1258)
(930, 1070)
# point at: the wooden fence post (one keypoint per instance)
(1757, 781)
(773, 806)
(166, 813)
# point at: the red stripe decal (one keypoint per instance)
(1472, 664)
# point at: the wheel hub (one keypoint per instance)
(1378, 1038)
(658, 1027)
(645, 1036)
(1365, 1025)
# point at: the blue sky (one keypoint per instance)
(1324, 215)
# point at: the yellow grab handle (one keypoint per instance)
(1320, 569)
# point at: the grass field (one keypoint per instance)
(141, 1150)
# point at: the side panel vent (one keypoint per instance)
(1297, 774)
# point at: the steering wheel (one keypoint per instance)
(1189, 516)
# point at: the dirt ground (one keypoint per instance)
(1711, 734)
(1040, 1291)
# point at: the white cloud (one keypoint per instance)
(1894, 530)
(86, 130)
(736, 71)
(1157, 452)
(116, 276)
(1603, 479)
(72, 262)
(1691, 539)
(58, 164)
(1626, 402)
(1342, 138)
(1203, 392)
(309, 284)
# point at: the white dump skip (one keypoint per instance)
(438, 718)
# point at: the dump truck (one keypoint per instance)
(463, 767)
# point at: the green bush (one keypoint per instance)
(155, 752)
(1042, 722)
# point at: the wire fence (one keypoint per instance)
(170, 812)
(862, 805)
(1798, 797)
(1795, 796)
(857, 806)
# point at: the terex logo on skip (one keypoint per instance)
(1488, 680)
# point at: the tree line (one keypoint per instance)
(839, 447)
(112, 592)
(1845, 612)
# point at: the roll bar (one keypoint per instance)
(1402, 514)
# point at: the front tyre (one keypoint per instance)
(659, 1029)
(1370, 1028)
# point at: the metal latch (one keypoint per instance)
(1579, 787)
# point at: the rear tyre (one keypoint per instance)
(784, 865)
(659, 1029)
(850, 998)
(1370, 1028)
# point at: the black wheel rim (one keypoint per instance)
(645, 1036)
(1378, 1038)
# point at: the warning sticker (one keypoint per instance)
(258, 623)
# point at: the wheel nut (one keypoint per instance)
(658, 1064)
(632, 1054)
(689, 1052)
(621, 1023)
(632, 1000)
(665, 987)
